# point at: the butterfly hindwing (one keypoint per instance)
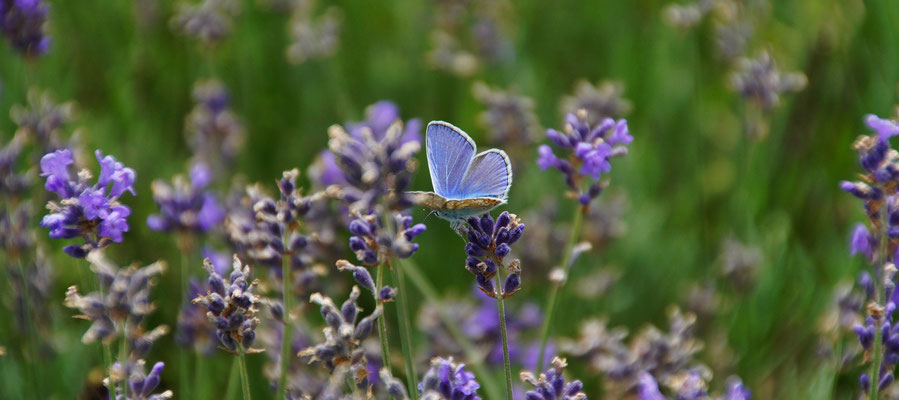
(489, 175)
(450, 152)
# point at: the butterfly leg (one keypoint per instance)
(461, 228)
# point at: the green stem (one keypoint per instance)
(31, 334)
(405, 334)
(232, 379)
(507, 366)
(244, 378)
(123, 356)
(183, 360)
(554, 291)
(200, 377)
(382, 323)
(474, 358)
(107, 352)
(287, 333)
(877, 358)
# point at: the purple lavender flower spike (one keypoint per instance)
(590, 148)
(861, 241)
(23, 23)
(185, 206)
(373, 246)
(488, 243)
(648, 388)
(448, 380)
(551, 385)
(234, 314)
(735, 390)
(92, 212)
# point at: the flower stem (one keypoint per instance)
(507, 366)
(183, 354)
(474, 358)
(31, 335)
(382, 323)
(107, 352)
(123, 356)
(877, 357)
(287, 332)
(546, 330)
(405, 334)
(232, 380)
(244, 378)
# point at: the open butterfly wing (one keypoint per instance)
(489, 175)
(450, 151)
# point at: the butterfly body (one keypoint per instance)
(465, 184)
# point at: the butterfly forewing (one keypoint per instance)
(489, 175)
(450, 151)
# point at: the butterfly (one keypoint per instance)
(465, 184)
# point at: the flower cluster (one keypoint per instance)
(214, 132)
(605, 100)
(92, 212)
(509, 117)
(122, 307)
(42, 119)
(343, 336)
(186, 206)
(374, 243)
(488, 242)
(231, 307)
(551, 385)
(375, 157)
(448, 380)
(140, 384)
(880, 318)
(690, 385)
(363, 278)
(589, 148)
(760, 81)
(208, 21)
(312, 36)
(12, 182)
(23, 23)
(469, 34)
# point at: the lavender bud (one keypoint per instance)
(885, 381)
(386, 294)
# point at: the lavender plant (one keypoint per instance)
(43, 120)
(589, 150)
(601, 101)
(447, 380)
(213, 131)
(312, 36)
(551, 385)
(92, 213)
(23, 22)
(208, 21)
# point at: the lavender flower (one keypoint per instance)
(551, 385)
(140, 384)
(214, 132)
(231, 306)
(589, 148)
(343, 336)
(13, 183)
(208, 21)
(92, 212)
(186, 206)
(605, 100)
(761, 82)
(468, 35)
(374, 244)
(23, 23)
(509, 117)
(123, 308)
(43, 119)
(690, 385)
(487, 244)
(688, 15)
(446, 380)
(375, 157)
(312, 36)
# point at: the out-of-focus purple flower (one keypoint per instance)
(208, 21)
(125, 303)
(551, 385)
(589, 148)
(884, 128)
(23, 23)
(92, 212)
(43, 119)
(735, 390)
(373, 243)
(488, 242)
(648, 388)
(862, 241)
(312, 36)
(142, 386)
(448, 380)
(186, 206)
(213, 131)
(605, 100)
(760, 81)
(468, 34)
(12, 182)
(231, 306)
(509, 117)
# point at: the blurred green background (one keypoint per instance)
(692, 178)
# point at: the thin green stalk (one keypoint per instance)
(31, 334)
(232, 380)
(107, 352)
(874, 394)
(474, 358)
(244, 378)
(200, 378)
(382, 324)
(123, 356)
(554, 291)
(405, 334)
(287, 333)
(507, 366)
(183, 360)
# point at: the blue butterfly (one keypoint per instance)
(465, 184)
